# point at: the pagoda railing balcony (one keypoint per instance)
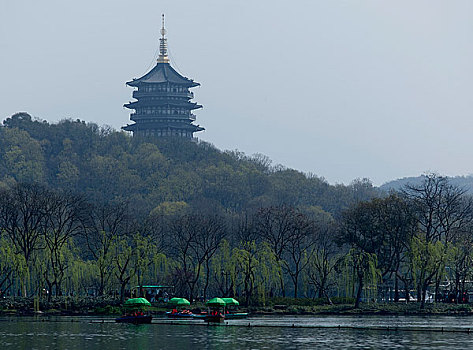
(135, 115)
(138, 93)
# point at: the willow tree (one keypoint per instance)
(363, 267)
(224, 270)
(246, 257)
(462, 260)
(12, 265)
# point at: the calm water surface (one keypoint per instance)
(91, 333)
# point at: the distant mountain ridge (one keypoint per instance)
(465, 182)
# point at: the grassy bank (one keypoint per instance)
(277, 306)
(345, 306)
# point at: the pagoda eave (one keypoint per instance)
(137, 83)
(146, 126)
(185, 105)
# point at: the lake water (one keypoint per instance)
(264, 333)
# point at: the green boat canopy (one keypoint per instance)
(230, 301)
(215, 302)
(137, 302)
(179, 302)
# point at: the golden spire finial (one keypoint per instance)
(163, 45)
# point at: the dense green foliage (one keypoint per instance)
(158, 174)
(85, 209)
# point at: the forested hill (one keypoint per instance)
(157, 174)
(463, 182)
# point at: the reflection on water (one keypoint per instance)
(85, 333)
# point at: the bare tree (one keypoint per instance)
(23, 215)
(196, 239)
(65, 215)
(22, 218)
(106, 224)
(441, 211)
(277, 226)
(298, 251)
(324, 260)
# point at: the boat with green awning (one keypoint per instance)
(136, 311)
(231, 305)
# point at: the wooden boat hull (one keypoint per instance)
(134, 319)
(199, 316)
(214, 318)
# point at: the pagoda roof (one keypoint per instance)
(164, 102)
(163, 73)
(161, 125)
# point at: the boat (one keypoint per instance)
(231, 313)
(200, 316)
(175, 313)
(180, 314)
(215, 315)
(135, 312)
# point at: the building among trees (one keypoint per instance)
(163, 105)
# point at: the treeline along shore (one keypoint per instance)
(88, 212)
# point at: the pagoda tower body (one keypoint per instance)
(163, 105)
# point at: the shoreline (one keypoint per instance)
(90, 306)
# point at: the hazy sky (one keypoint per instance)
(342, 89)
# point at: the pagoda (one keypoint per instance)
(163, 105)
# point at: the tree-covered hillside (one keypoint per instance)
(158, 174)
(464, 182)
(87, 208)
